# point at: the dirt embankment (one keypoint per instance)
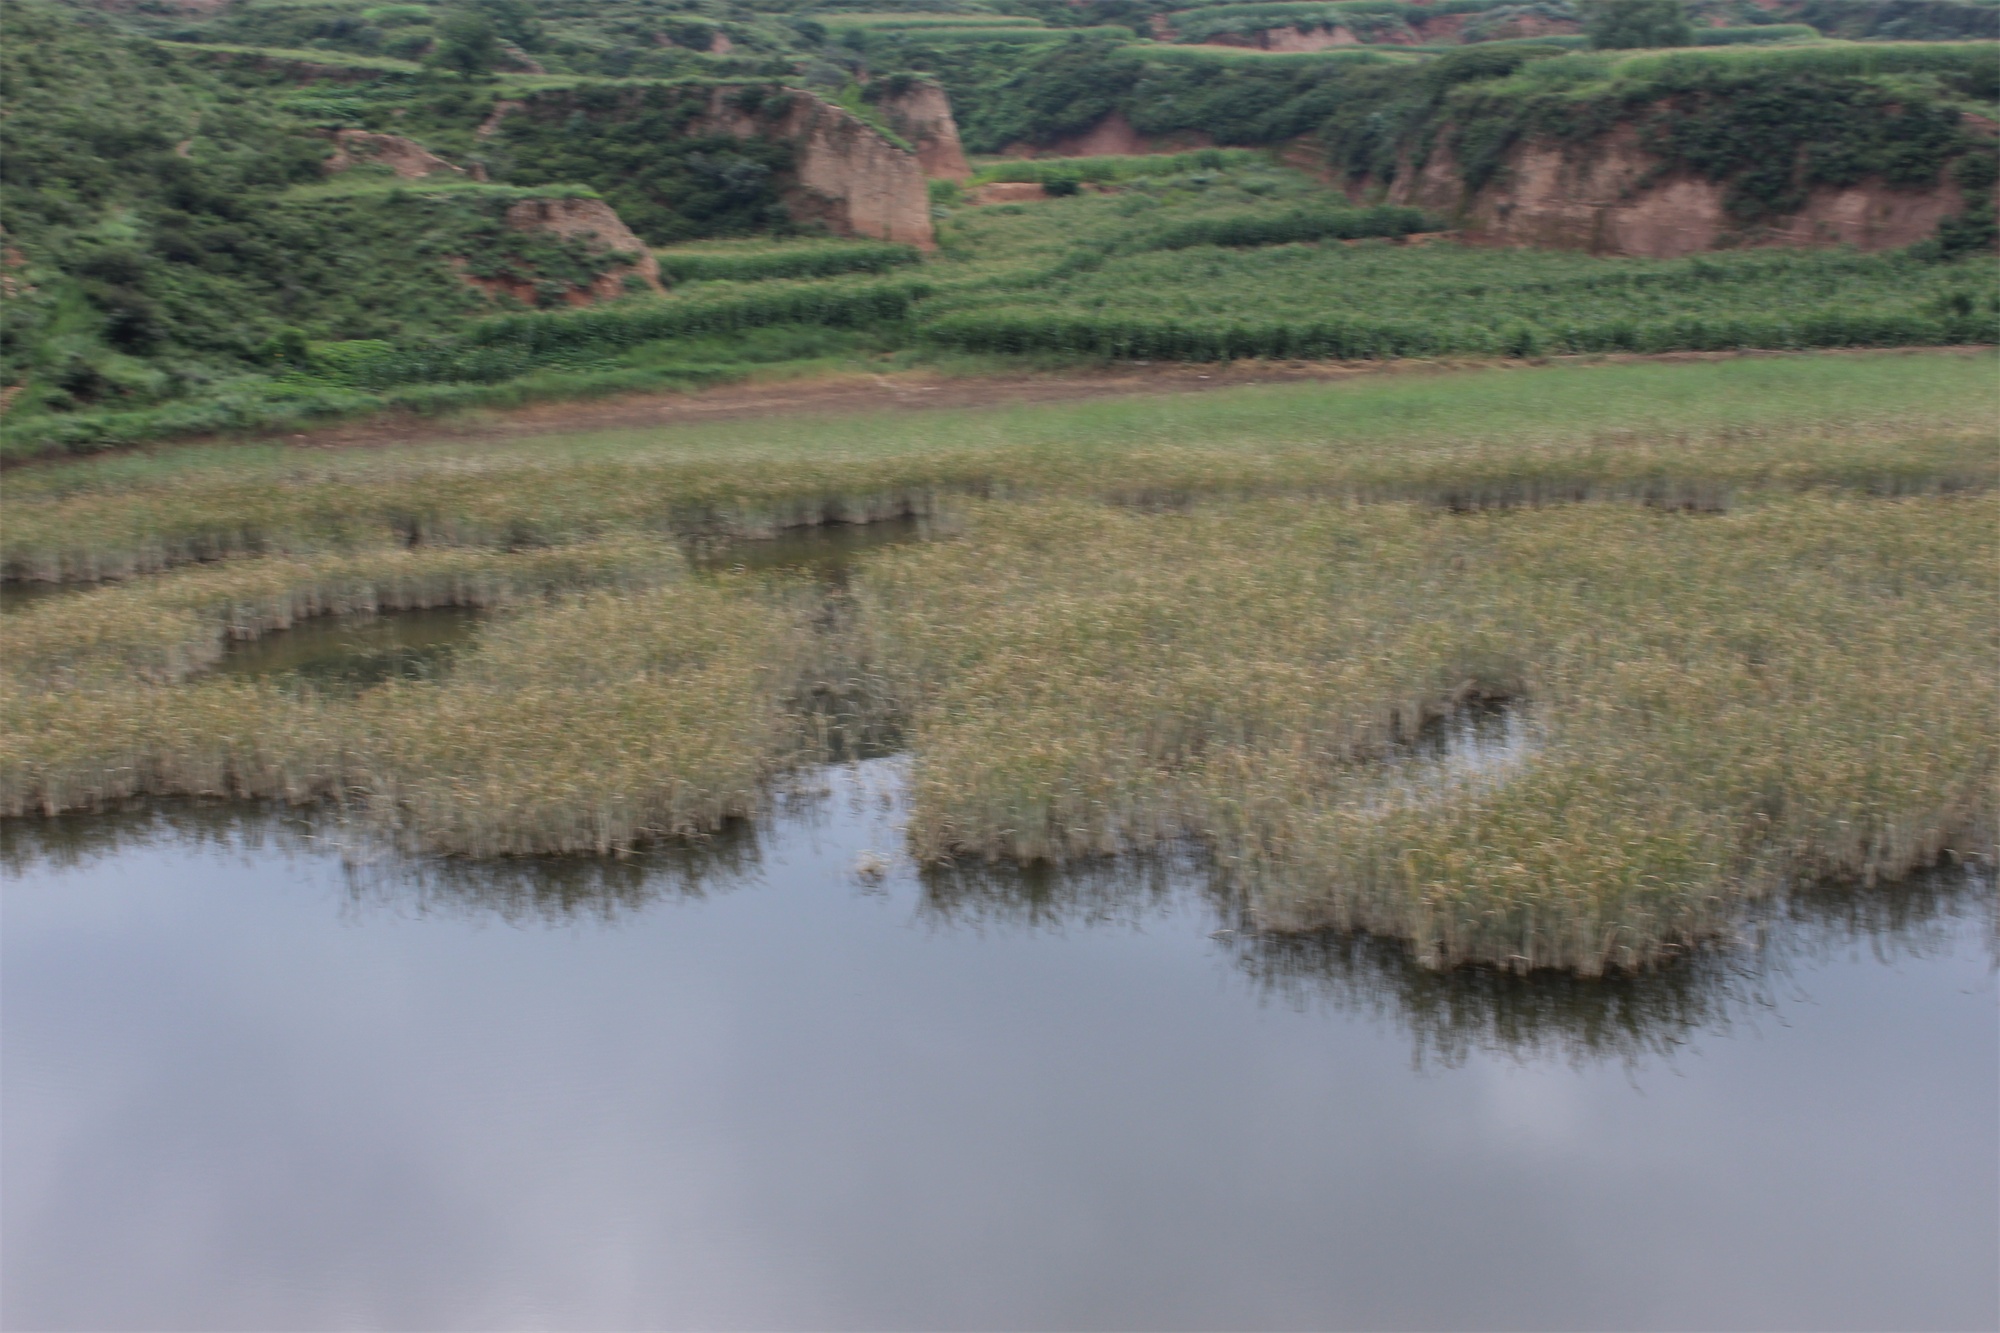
(1304, 37)
(599, 228)
(1610, 197)
(1009, 192)
(850, 177)
(922, 114)
(1443, 29)
(594, 224)
(407, 158)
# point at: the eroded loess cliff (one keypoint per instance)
(848, 176)
(407, 158)
(589, 223)
(1611, 196)
(921, 113)
(598, 227)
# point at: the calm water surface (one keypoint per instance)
(353, 652)
(256, 1077)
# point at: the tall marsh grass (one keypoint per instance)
(1720, 704)
(637, 705)
(1752, 649)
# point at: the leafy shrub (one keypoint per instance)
(1617, 24)
(816, 261)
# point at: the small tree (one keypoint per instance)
(1622, 24)
(466, 44)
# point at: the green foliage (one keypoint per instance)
(1370, 20)
(1771, 143)
(1900, 20)
(1757, 35)
(1374, 300)
(633, 144)
(1104, 170)
(1001, 94)
(797, 261)
(1305, 224)
(1621, 24)
(179, 263)
(467, 44)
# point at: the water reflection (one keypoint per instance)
(1128, 892)
(827, 552)
(16, 595)
(77, 840)
(350, 653)
(552, 890)
(1447, 1017)
(260, 1073)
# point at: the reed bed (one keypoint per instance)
(1220, 623)
(1882, 425)
(638, 705)
(165, 629)
(1721, 704)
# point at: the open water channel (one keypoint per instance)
(259, 1074)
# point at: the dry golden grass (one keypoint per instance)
(585, 723)
(1718, 702)
(1202, 626)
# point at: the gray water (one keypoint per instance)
(259, 1075)
(353, 652)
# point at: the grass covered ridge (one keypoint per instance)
(1743, 611)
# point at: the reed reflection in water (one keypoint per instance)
(1446, 1015)
(260, 1072)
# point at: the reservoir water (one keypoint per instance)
(258, 1076)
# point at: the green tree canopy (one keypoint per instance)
(467, 43)
(1619, 24)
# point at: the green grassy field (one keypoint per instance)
(1742, 611)
(179, 263)
(1246, 260)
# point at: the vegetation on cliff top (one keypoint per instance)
(1198, 264)
(177, 262)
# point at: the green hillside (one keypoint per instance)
(178, 261)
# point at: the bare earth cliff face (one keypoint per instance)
(594, 223)
(849, 176)
(407, 158)
(923, 116)
(598, 226)
(1608, 199)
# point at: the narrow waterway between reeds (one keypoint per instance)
(259, 1074)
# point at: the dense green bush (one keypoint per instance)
(1304, 224)
(1756, 35)
(1104, 170)
(633, 144)
(1901, 20)
(1379, 300)
(804, 261)
(1622, 24)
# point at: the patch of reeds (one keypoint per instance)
(1721, 704)
(164, 629)
(1219, 623)
(646, 708)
